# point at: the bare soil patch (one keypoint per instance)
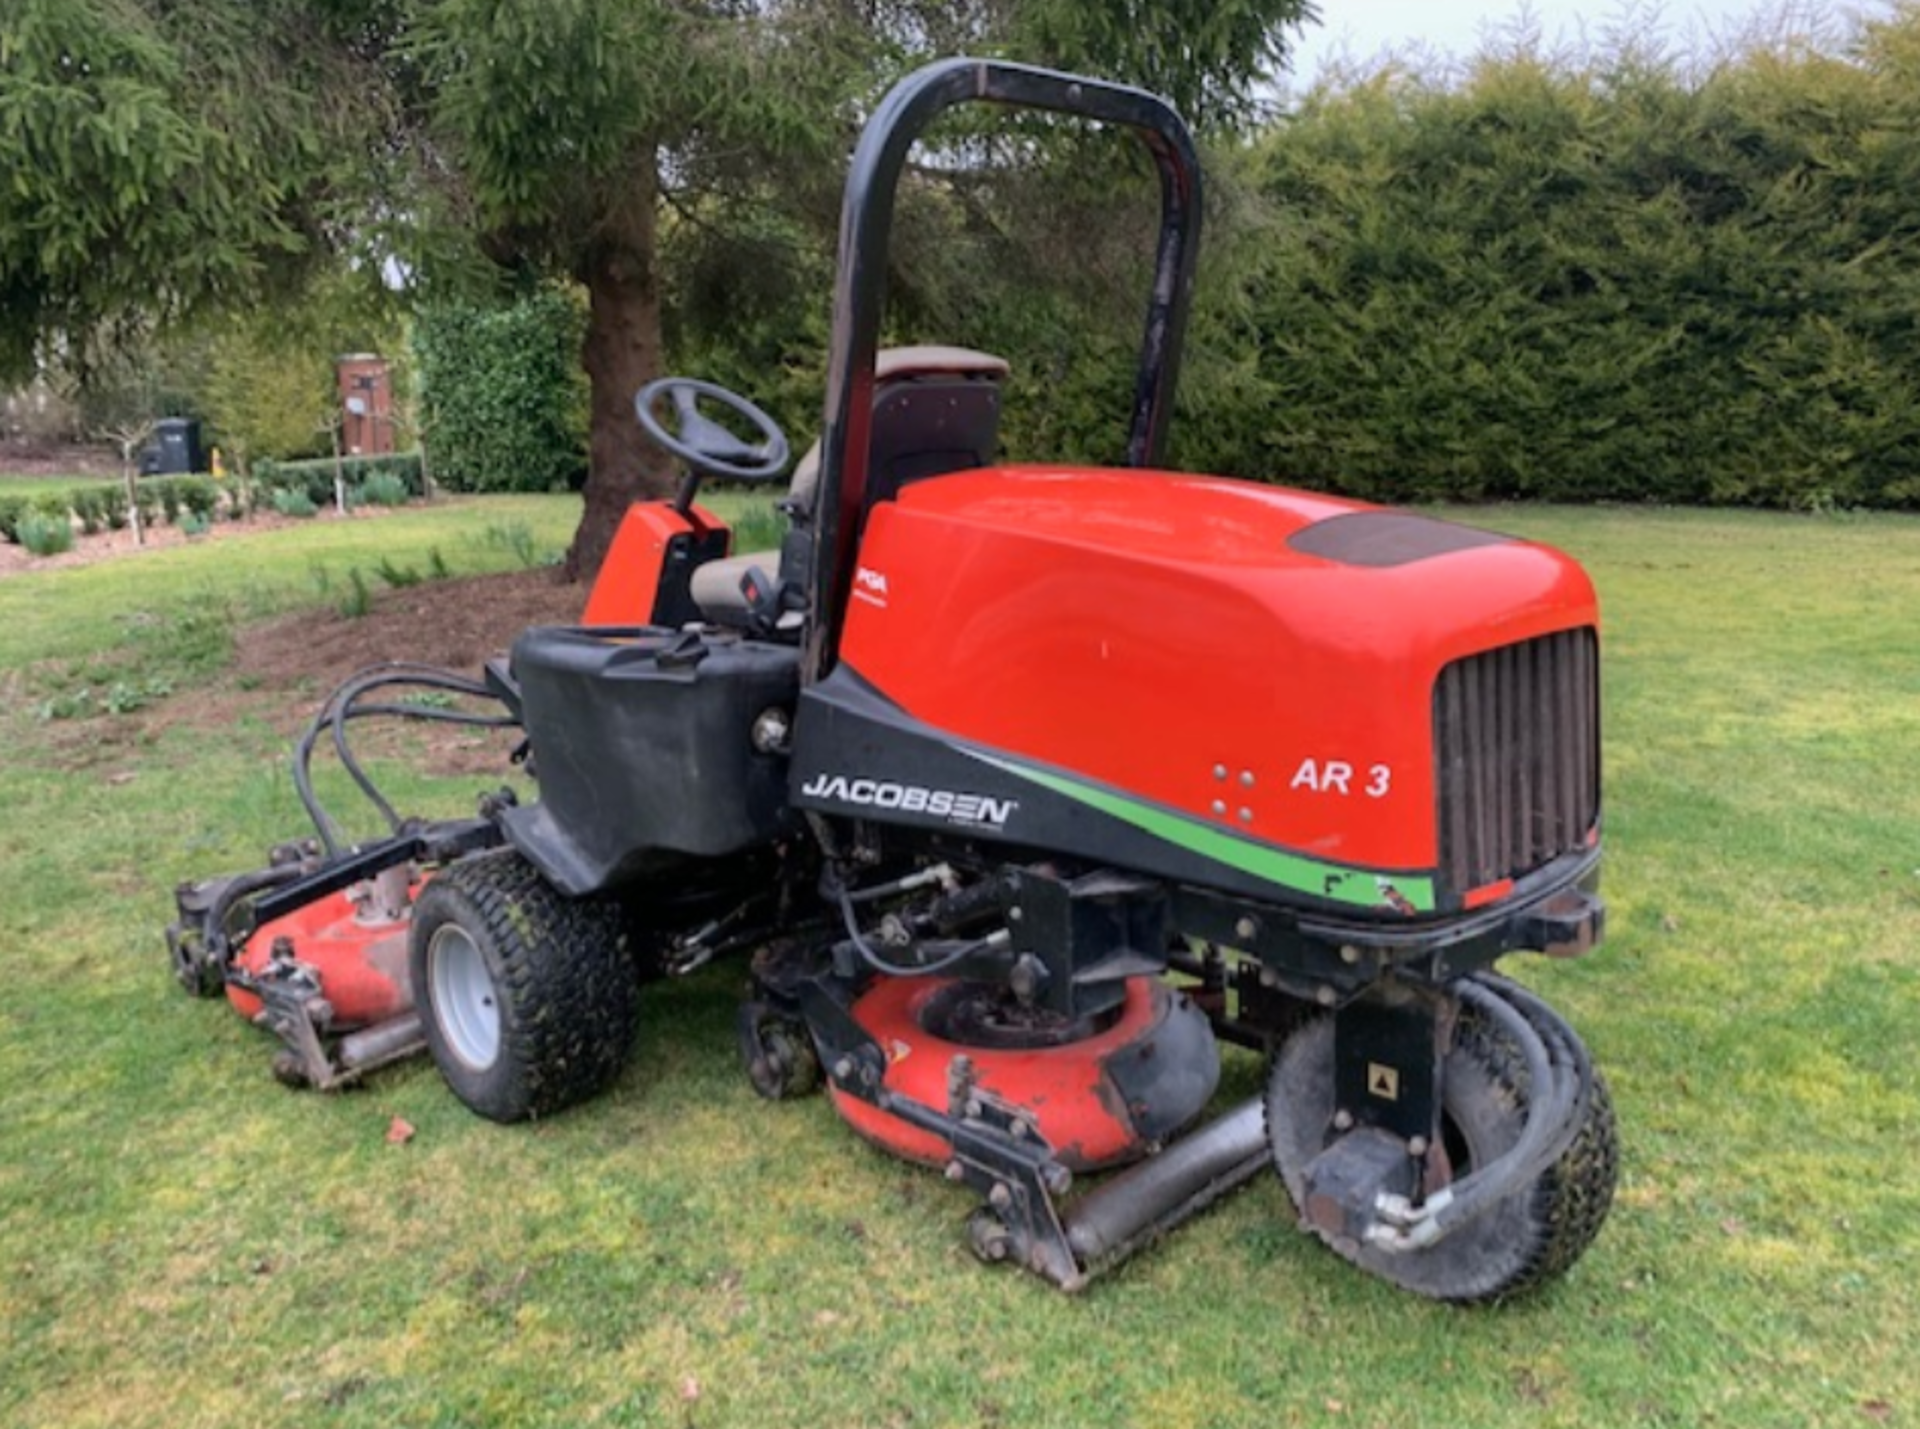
(285, 667)
(283, 671)
(456, 624)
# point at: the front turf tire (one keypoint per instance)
(1522, 1242)
(528, 998)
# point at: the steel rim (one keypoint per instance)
(464, 1004)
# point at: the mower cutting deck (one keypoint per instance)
(1022, 788)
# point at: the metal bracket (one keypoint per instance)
(1388, 1047)
(294, 1009)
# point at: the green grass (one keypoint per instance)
(83, 610)
(183, 1242)
(38, 485)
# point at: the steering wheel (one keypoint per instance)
(705, 445)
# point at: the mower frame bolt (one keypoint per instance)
(1018, 1129)
(955, 1171)
(1325, 996)
(1246, 778)
(771, 731)
(1246, 928)
(1349, 953)
(1269, 978)
(973, 1108)
(1343, 1120)
(1000, 1197)
(1417, 1146)
(1220, 771)
(843, 1069)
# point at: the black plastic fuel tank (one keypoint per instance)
(645, 751)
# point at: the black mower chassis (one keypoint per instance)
(1386, 990)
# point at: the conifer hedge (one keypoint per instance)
(1610, 281)
(1616, 276)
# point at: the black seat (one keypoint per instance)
(935, 410)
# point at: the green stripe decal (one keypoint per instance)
(1338, 882)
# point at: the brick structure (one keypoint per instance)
(366, 405)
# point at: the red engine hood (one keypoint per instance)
(1253, 656)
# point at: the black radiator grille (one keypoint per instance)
(1517, 745)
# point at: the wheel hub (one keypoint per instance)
(463, 997)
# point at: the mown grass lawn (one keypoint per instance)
(183, 1242)
(11, 485)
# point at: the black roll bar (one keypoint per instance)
(866, 224)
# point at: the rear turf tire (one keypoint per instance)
(1532, 1236)
(528, 998)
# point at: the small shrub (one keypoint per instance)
(89, 504)
(397, 576)
(46, 535)
(516, 539)
(192, 525)
(113, 503)
(69, 704)
(383, 488)
(119, 698)
(199, 496)
(245, 497)
(126, 696)
(437, 566)
(195, 639)
(357, 599)
(12, 508)
(294, 503)
(168, 491)
(316, 477)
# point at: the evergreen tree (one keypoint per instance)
(182, 156)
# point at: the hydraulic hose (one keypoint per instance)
(945, 962)
(342, 705)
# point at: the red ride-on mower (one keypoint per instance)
(1024, 787)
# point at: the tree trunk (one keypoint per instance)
(621, 354)
(133, 492)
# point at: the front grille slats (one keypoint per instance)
(1517, 751)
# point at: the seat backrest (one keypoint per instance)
(935, 409)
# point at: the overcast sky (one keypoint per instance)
(1362, 29)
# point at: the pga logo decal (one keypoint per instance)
(870, 586)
